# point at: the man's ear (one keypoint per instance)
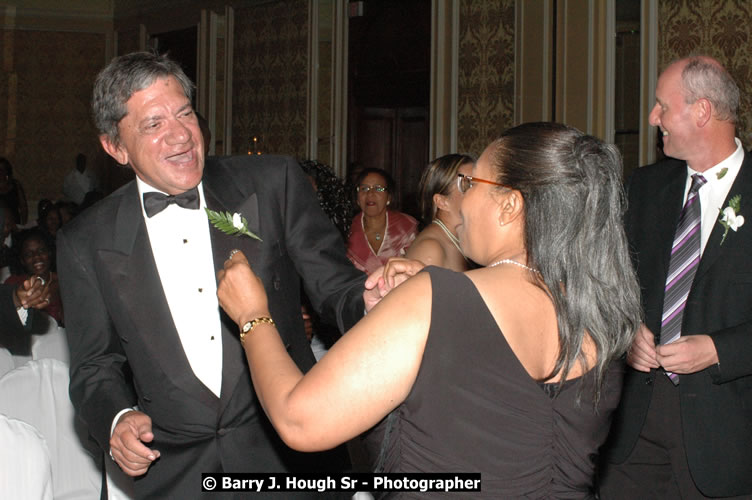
(113, 149)
(703, 111)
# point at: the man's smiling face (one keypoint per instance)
(160, 138)
(673, 115)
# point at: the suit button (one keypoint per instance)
(277, 284)
(648, 381)
(146, 399)
(222, 431)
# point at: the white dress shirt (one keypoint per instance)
(182, 250)
(713, 193)
(76, 184)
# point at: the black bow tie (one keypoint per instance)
(156, 202)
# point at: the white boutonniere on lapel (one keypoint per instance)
(234, 224)
(730, 218)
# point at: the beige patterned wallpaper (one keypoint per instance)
(486, 73)
(47, 109)
(720, 28)
(270, 77)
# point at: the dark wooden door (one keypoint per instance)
(388, 92)
(396, 140)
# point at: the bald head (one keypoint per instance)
(696, 104)
(703, 77)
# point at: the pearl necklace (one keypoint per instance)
(514, 262)
(455, 240)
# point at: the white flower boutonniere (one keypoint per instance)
(232, 224)
(729, 216)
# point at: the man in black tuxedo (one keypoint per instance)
(157, 372)
(684, 426)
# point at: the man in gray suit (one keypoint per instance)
(157, 371)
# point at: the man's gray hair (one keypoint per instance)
(124, 76)
(703, 78)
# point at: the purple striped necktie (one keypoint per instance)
(685, 257)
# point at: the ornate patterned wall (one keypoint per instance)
(486, 73)
(270, 77)
(720, 28)
(49, 106)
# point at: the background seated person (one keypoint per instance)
(376, 233)
(512, 370)
(49, 221)
(36, 261)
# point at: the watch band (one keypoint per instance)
(248, 326)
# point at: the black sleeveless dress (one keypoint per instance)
(474, 408)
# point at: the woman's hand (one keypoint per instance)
(33, 292)
(241, 293)
(396, 271)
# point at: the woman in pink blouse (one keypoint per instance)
(377, 233)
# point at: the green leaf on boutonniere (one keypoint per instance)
(232, 224)
(720, 175)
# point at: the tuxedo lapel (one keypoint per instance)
(742, 186)
(223, 244)
(228, 199)
(135, 280)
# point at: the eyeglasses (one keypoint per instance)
(465, 182)
(365, 188)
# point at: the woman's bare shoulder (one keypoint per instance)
(428, 248)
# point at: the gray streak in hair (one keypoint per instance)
(703, 78)
(573, 206)
(124, 76)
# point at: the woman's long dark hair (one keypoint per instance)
(573, 206)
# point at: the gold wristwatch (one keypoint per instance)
(250, 325)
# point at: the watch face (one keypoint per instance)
(247, 327)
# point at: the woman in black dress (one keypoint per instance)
(511, 370)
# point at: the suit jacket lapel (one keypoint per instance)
(134, 270)
(672, 199)
(742, 185)
(221, 195)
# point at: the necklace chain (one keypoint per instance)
(514, 262)
(377, 235)
(455, 240)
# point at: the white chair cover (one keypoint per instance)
(24, 462)
(7, 363)
(51, 345)
(37, 393)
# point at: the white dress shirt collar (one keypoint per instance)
(713, 193)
